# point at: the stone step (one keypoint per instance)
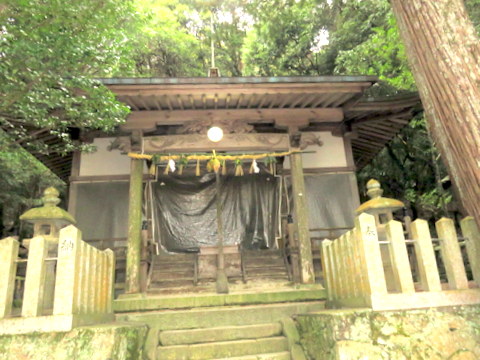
(205, 317)
(216, 334)
(284, 355)
(223, 349)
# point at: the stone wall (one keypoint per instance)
(102, 342)
(434, 334)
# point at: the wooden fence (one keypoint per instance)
(355, 271)
(82, 292)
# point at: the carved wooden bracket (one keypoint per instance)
(122, 143)
(230, 142)
(307, 139)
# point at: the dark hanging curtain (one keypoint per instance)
(186, 218)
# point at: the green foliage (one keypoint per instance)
(409, 169)
(174, 37)
(473, 8)
(50, 52)
(22, 183)
(304, 37)
(382, 54)
(282, 37)
(163, 45)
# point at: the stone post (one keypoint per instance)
(68, 280)
(35, 278)
(8, 270)
(370, 255)
(110, 279)
(470, 231)
(425, 254)
(134, 245)
(301, 219)
(451, 254)
(402, 272)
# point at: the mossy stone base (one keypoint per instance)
(143, 302)
(109, 341)
(449, 333)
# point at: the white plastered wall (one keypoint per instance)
(330, 155)
(103, 162)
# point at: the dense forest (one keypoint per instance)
(51, 51)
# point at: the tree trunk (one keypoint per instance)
(444, 53)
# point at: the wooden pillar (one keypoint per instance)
(134, 245)
(301, 219)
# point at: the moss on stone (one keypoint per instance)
(449, 333)
(110, 341)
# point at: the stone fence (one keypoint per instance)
(361, 271)
(82, 291)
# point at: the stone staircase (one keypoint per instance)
(265, 264)
(246, 342)
(224, 332)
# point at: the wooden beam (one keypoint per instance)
(128, 100)
(235, 89)
(148, 120)
(156, 102)
(407, 102)
(230, 142)
(144, 103)
(370, 132)
(381, 118)
(179, 101)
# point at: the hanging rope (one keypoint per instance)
(203, 157)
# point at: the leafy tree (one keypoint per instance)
(22, 183)
(381, 54)
(304, 37)
(49, 53)
(442, 46)
(165, 43)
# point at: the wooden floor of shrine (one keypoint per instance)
(194, 273)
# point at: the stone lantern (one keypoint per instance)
(48, 219)
(47, 222)
(382, 209)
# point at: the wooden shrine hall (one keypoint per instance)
(281, 178)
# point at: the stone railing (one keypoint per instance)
(358, 273)
(82, 291)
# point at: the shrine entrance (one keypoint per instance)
(189, 207)
(185, 217)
